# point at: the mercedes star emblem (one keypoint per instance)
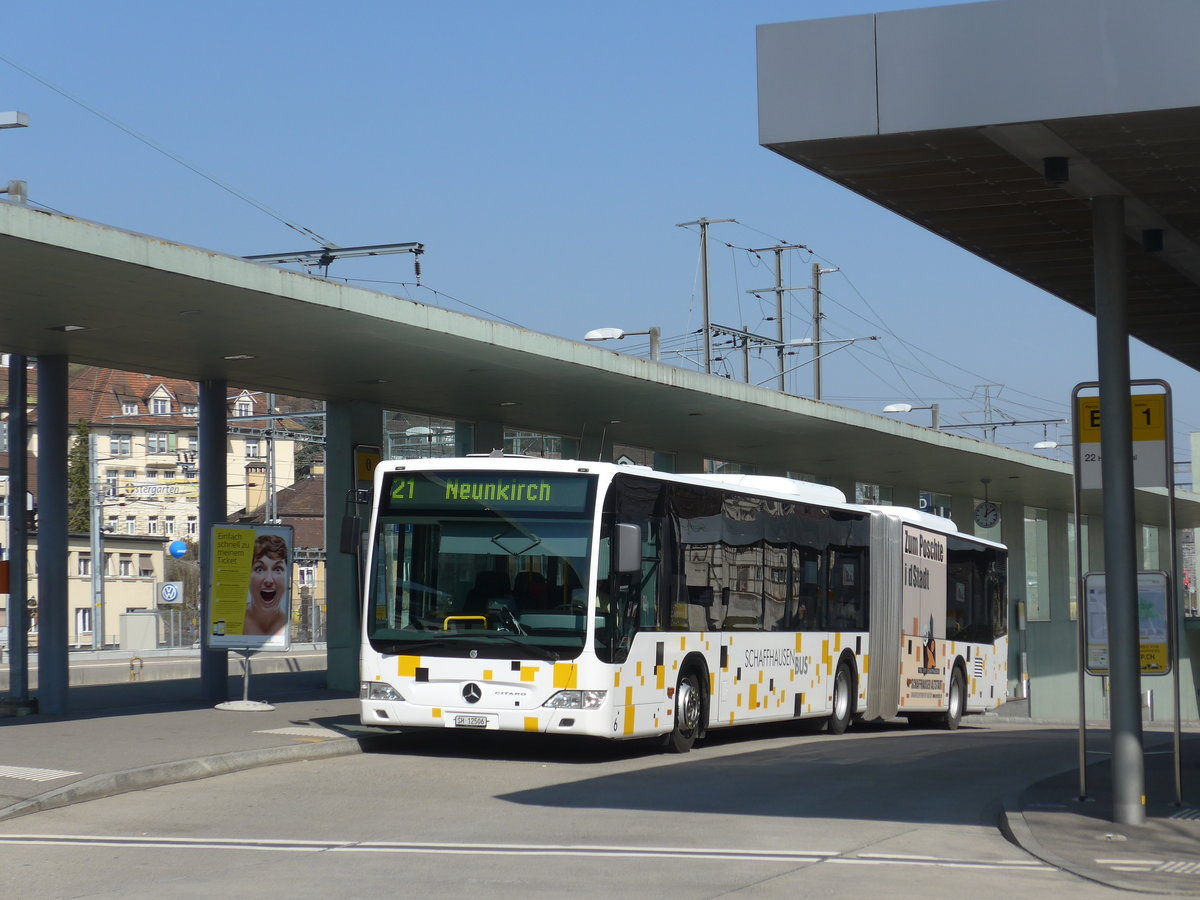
(471, 692)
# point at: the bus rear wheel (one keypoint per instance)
(843, 700)
(689, 702)
(956, 701)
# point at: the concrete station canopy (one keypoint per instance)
(946, 115)
(112, 298)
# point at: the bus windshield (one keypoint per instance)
(481, 563)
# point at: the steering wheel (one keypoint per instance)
(575, 608)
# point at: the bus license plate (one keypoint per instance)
(470, 721)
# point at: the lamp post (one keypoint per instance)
(617, 334)
(96, 493)
(18, 191)
(908, 407)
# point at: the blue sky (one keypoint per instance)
(544, 153)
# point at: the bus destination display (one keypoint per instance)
(472, 490)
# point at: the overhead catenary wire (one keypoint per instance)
(919, 356)
(160, 148)
(1051, 405)
(425, 287)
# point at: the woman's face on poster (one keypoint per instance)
(268, 582)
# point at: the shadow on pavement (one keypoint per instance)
(89, 701)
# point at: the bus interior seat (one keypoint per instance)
(490, 585)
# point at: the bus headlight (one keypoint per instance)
(576, 700)
(377, 690)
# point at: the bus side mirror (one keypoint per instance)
(351, 530)
(629, 549)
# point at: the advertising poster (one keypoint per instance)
(250, 594)
(923, 618)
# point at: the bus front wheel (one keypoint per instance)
(689, 702)
(843, 700)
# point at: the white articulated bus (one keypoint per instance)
(564, 597)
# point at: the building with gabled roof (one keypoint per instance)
(144, 443)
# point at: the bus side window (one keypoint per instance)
(805, 570)
(845, 590)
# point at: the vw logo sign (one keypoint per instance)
(471, 692)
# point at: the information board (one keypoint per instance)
(1153, 640)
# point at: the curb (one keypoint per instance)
(1017, 832)
(98, 787)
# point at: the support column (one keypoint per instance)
(18, 534)
(347, 424)
(1120, 553)
(53, 671)
(489, 436)
(464, 438)
(1012, 535)
(688, 462)
(212, 434)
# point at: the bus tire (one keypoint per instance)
(689, 705)
(956, 701)
(843, 700)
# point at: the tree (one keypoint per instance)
(187, 570)
(79, 489)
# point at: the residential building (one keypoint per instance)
(301, 506)
(144, 452)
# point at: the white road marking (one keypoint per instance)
(303, 731)
(705, 853)
(27, 774)
(1174, 866)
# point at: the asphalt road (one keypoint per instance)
(884, 811)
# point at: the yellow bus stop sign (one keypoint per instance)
(1149, 419)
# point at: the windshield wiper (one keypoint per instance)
(398, 647)
(458, 639)
(540, 652)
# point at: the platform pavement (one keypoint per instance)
(1051, 820)
(120, 738)
(124, 737)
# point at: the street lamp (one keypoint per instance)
(96, 492)
(18, 191)
(908, 407)
(617, 334)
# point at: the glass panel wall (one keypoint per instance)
(1037, 565)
